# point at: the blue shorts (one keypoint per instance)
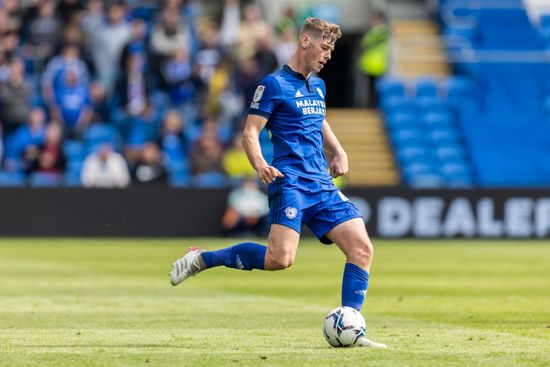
(294, 201)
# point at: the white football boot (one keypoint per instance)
(364, 342)
(188, 266)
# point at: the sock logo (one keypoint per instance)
(361, 292)
(239, 263)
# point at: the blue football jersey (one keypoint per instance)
(295, 108)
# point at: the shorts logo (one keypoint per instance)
(342, 196)
(320, 93)
(291, 212)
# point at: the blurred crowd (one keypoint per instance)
(112, 93)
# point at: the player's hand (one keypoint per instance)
(268, 174)
(339, 165)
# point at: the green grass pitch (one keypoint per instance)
(108, 302)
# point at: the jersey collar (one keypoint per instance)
(298, 75)
(289, 70)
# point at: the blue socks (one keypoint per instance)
(354, 286)
(244, 256)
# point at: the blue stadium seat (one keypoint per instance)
(426, 181)
(415, 169)
(98, 134)
(179, 179)
(407, 137)
(450, 154)
(433, 105)
(40, 179)
(434, 120)
(426, 88)
(410, 154)
(72, 179)
(209, 180)
(388, 87)
(443, 136)
(73, 149)
(399, 105)
(398, 121)
(12, 179)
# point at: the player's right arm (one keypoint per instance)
(251, 144)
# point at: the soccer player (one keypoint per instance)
(291, 104)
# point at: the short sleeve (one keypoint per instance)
(266, 97)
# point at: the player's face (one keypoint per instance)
(318, 53)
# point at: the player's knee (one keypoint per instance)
(362, 253)
(279, 262)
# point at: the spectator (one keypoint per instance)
(374, 57)
(14, 96)
(144, 128)
(248, 77)
(209, 54)
(246, 213)
(178, 76)
(252, 29)
(231, 22)
(137, 44)
(22, 145)
(13, 15)
(169, 33)
(43, 31)
(9, 45)
(110, 39)
(207, 153)
(98, 101)
(286, 46)
(235, 161)
(57, 68)
(172, 141)
(72, 104)
(67, 10)
(132, 86)
(51, 157)
(265, 56)
(150, 170)
(105, 169)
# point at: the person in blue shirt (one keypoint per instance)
(290, 103)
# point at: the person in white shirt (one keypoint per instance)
(105, 168)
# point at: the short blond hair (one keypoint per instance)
(323, 29)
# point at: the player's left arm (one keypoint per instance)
(338, 161)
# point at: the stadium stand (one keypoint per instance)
(487, 124)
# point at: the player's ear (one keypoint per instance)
(304, 40)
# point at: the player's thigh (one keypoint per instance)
(352, 238)
(282, 243)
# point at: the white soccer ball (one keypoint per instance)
(343, 326)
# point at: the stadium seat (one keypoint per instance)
(426, 88)
(433, 105)
(441, 136)
(415, 169)
(98, 134)
(179, 179)
(426, 181)
(434, 120)
(209, 180)
(73, 149)
(407, 137)
(450, 154)
(72, 179)
(40, 179)
(12, 179)
(389, 87)
(399, 105)
(410, 154)
(398, 121)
